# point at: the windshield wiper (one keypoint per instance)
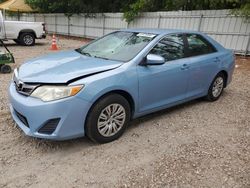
(86, 53)
(83, 53)
(101, 57)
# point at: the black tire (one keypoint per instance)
(211, 96)
(91, 126)
(5, 69)
(17, 41)
(27, 39)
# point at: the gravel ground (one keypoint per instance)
(197, 144)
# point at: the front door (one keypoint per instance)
(161, 85)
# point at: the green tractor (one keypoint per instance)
(6, 58)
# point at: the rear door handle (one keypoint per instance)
(184, 67)
(217, 60)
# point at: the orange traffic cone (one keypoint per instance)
(53, 45)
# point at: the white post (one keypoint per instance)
(103, 25)
(84, 31)
(56, 23)
(68, 25)
(200, 22)
(159, 21)
(248, 45)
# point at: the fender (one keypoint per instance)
(27, 31)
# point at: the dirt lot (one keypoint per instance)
(197, 144)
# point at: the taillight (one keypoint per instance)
(234, 55)
(44, 27)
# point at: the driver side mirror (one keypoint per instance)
(153, 59)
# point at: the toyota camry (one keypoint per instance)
(97, 89)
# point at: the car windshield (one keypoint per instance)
(118, 46)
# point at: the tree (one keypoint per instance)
(77, 6)
(159, 5)
(133, 8)
(243, 10)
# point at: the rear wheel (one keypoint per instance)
(27, 39)
(108, 118)
(216, 87)
(5, 69)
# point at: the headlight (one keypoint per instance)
(50, 93)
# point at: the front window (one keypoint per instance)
(118, 46)
(171, 48)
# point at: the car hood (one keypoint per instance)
(62, 67)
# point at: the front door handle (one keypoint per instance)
(217, 60)
(184, 67)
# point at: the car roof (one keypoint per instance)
(161, 31)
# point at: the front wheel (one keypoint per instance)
(108, 118)
(216, 88)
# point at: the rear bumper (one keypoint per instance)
(43, 36)
(72, 112)
(230, 74)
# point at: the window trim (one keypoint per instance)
(203, 40)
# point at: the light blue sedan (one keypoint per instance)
(97, 89)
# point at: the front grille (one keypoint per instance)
(27, 90)
(23, 88)
(22, 118)
(50, 126)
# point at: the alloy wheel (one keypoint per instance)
(217, 86)
(111, 120)
(28, 39)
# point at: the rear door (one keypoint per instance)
(204, 62)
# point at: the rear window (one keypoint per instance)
(198, 45)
